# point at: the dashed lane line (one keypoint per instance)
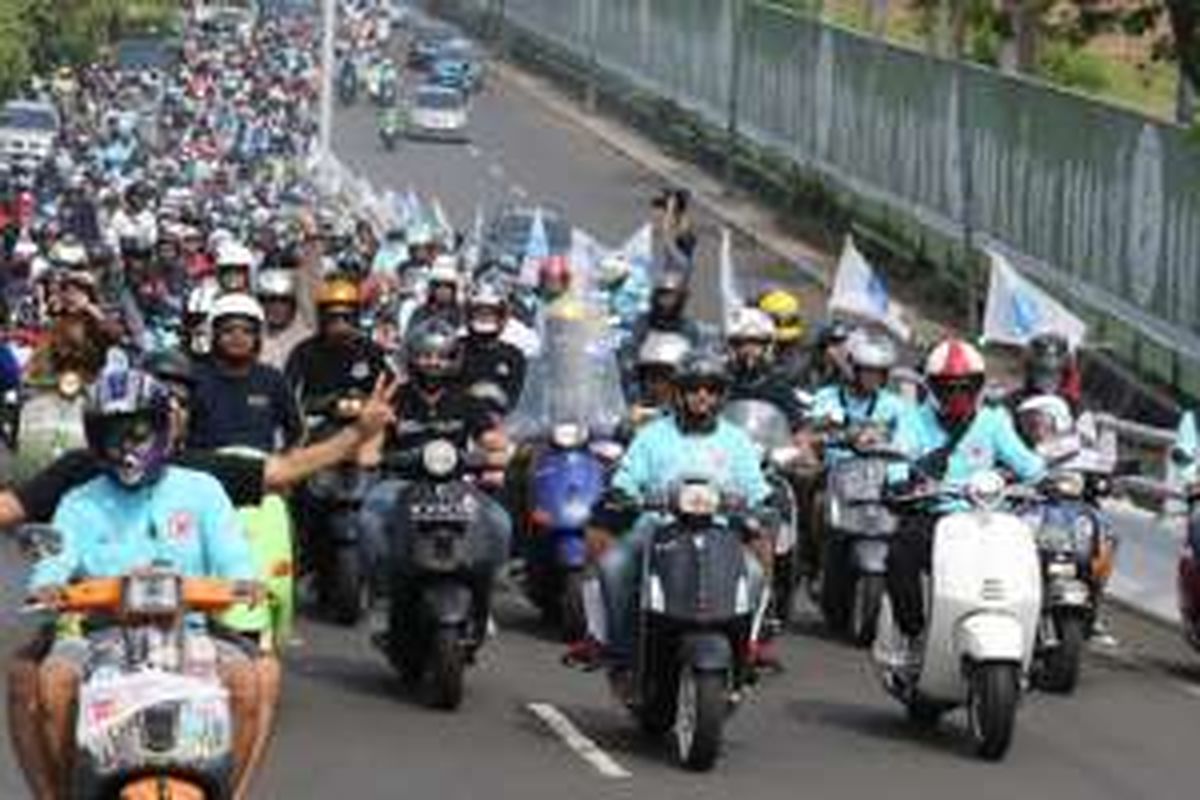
(584, 747)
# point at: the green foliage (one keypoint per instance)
(38, 35)
(1067, 65)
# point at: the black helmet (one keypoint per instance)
(433, 352)
(170, 366)
(703, 366)
(1045, 359)
(700, 368)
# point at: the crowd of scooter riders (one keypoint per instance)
(215, 367)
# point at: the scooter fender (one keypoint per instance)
(707, 652)
(870, 556)
(990, 637)
(447, 603)
(570, 549)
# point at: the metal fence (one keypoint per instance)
(1101, 204)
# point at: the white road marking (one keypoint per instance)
(473, 151)
(584, 747)
(496, 171)
(519, 191)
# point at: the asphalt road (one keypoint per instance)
(824, 728)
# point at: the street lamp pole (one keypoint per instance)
(329, 23)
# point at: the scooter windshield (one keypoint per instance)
(763, 422)
(576, 379)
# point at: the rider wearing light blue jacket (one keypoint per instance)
(626, 289)
(951, 437)
(693, 442)
(864, 398)
(184, 519)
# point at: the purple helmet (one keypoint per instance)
(127, 422)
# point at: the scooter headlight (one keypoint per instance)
(698, 500)
(152, 594)
(439, 458)
(1068, 485)
(70, 385)
(568, 435)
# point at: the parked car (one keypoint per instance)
(426, 43)
(28, 131)
(460, 58)
(437, 112)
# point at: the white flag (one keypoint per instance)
(585, 254)
(1017, 310)
(639, 248)
(859, 292)
(441, 220)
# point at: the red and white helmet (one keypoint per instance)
(954, 372)
(954, 359)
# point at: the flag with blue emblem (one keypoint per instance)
(858, 292)
(1017, 309)
(537, 249)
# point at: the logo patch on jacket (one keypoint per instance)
(181, 527)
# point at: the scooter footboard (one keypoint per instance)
(991, 637)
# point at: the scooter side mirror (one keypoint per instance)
(39, 541)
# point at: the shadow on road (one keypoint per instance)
(889, 725)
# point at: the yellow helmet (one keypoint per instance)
(337, 291)
(784, 308)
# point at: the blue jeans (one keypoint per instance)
(620, 573)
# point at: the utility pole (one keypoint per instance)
(735, 79)
(329, 23)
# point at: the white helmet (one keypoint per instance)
(277, 283)
(444, 270)
(1052, 409)
(750, 324)
(236, 305)
(663, 349)
(420, 235)
(867, 350)
(234, 254)
(614, 268)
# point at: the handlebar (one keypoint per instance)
(108, 595)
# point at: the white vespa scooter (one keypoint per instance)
(983, 598)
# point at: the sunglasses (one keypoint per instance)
(125, 431)
(340, 316)
(711, 388)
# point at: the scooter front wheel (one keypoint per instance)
(700, 711)
(446, 669)
(868, 599)
(992, 708)
(347, 587)
(1060, 665)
